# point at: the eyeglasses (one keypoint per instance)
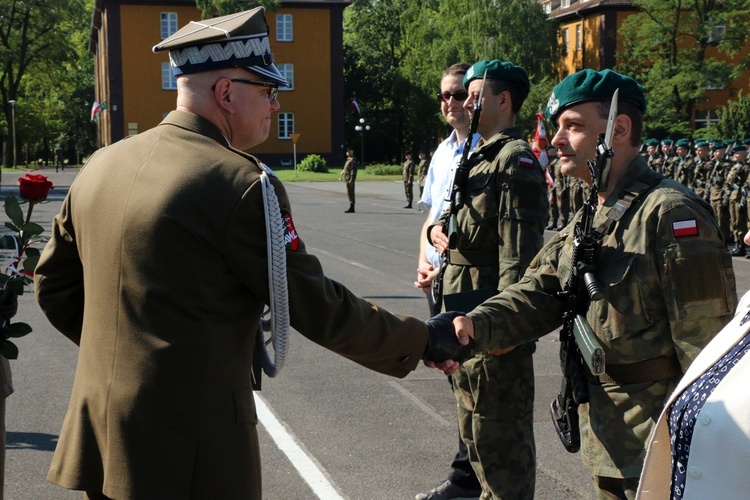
(273, 88)
(461, 95)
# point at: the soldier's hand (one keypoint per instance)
(443, 344)
(439, 239)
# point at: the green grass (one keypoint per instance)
(286, 174)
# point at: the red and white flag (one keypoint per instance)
(540, 141)
(95, 110)
(685, 228)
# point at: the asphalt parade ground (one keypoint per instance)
(328, 428)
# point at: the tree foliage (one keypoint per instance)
(215, 8)
(45, 69)
(734, 118)
(396, 50)
(676, 50)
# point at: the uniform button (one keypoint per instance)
(694, 472)
(704, 419)
(404, 359)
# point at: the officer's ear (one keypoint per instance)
(222, 90)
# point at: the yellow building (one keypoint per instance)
(139, 89)
(588, 34)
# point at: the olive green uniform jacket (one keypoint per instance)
(664, 295)
(157, 267)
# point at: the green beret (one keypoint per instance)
(683, 143)
(741, 147)
(701, 144)
(718, 145)
(666, 142)
(652, 142)
(746, 142)
(498, 70)
(589, 85)
(714, 140)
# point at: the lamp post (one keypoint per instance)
(13, 124)
(361, 129)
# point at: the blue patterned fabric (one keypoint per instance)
(686, 410)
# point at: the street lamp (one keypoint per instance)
(13, 124)
(361, 129)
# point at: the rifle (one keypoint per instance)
(457, 196)
(581, 355)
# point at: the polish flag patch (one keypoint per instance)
(685, 228)
(525, 162)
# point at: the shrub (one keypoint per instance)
(313, 163)
(383, 169)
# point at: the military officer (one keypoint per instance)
(498, 230)
(669, 281)
(349, 175)
(157, 269)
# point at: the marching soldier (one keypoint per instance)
(702, 174)
(719, 196)
(652, 152)
(663, 163)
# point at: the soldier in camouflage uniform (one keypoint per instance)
(664, 163)
(652, 152)
(349, 175)
(408, 178)
(554, 209)
(719, 197)
(736, 181)
(669, 282)
(498, 232)
(683, 165)
(702, 172)
(424, 164)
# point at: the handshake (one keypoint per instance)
(442, 344)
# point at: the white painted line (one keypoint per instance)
(421, 404)
(305, 465)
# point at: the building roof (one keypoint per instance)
(578, 6)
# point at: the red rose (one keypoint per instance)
(34, 187)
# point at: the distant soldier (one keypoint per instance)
(663, 163)
(424, 164)
(702, 170)
(719, 198)
(683, 165)
(562, 188)
(59, 163)
(349, 175)
(735, 184)
(408, 178)
(652, 152)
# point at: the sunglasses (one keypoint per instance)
(273, 88)
(461, 95)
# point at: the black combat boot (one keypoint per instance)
(739, 250)
(552, 225)
(351, 209)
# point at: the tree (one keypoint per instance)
(734, 118)
(677, 49)
(215, 8)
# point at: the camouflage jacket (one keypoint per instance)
(736, 178)
(684, 169)
(649, 269)
(701, 177)
(719, 170)
(350, 170)
(501, 226)
(408, 173)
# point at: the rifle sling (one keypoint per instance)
(473, 258)
(639, 187)
(649, 370)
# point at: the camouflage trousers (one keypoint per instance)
(721, 212)
(737, 220)
(614, 488)
(495, 399)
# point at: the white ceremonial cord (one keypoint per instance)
(277, 282)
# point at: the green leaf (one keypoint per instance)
(29, 264)
(17, 330)
(32, 229)
(9, 350)
(13, 210)
(8, 242)
(33, 252)
(11, 226)
(15, 285)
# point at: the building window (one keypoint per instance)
(547, 6)
(565, 41)
(704, 117)
(717, 34)
(168, 24)
(284, 28)
(286, 125)
(287, 71)
(579, 38)
(132, 128)
(565, 4)
(168, 81)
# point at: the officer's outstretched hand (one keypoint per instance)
(443, 350)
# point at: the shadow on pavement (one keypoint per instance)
(30, 441)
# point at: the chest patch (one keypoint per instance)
(291, 238)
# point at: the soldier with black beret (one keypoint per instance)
(669, 281)
(158, 268)
(497, 232)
